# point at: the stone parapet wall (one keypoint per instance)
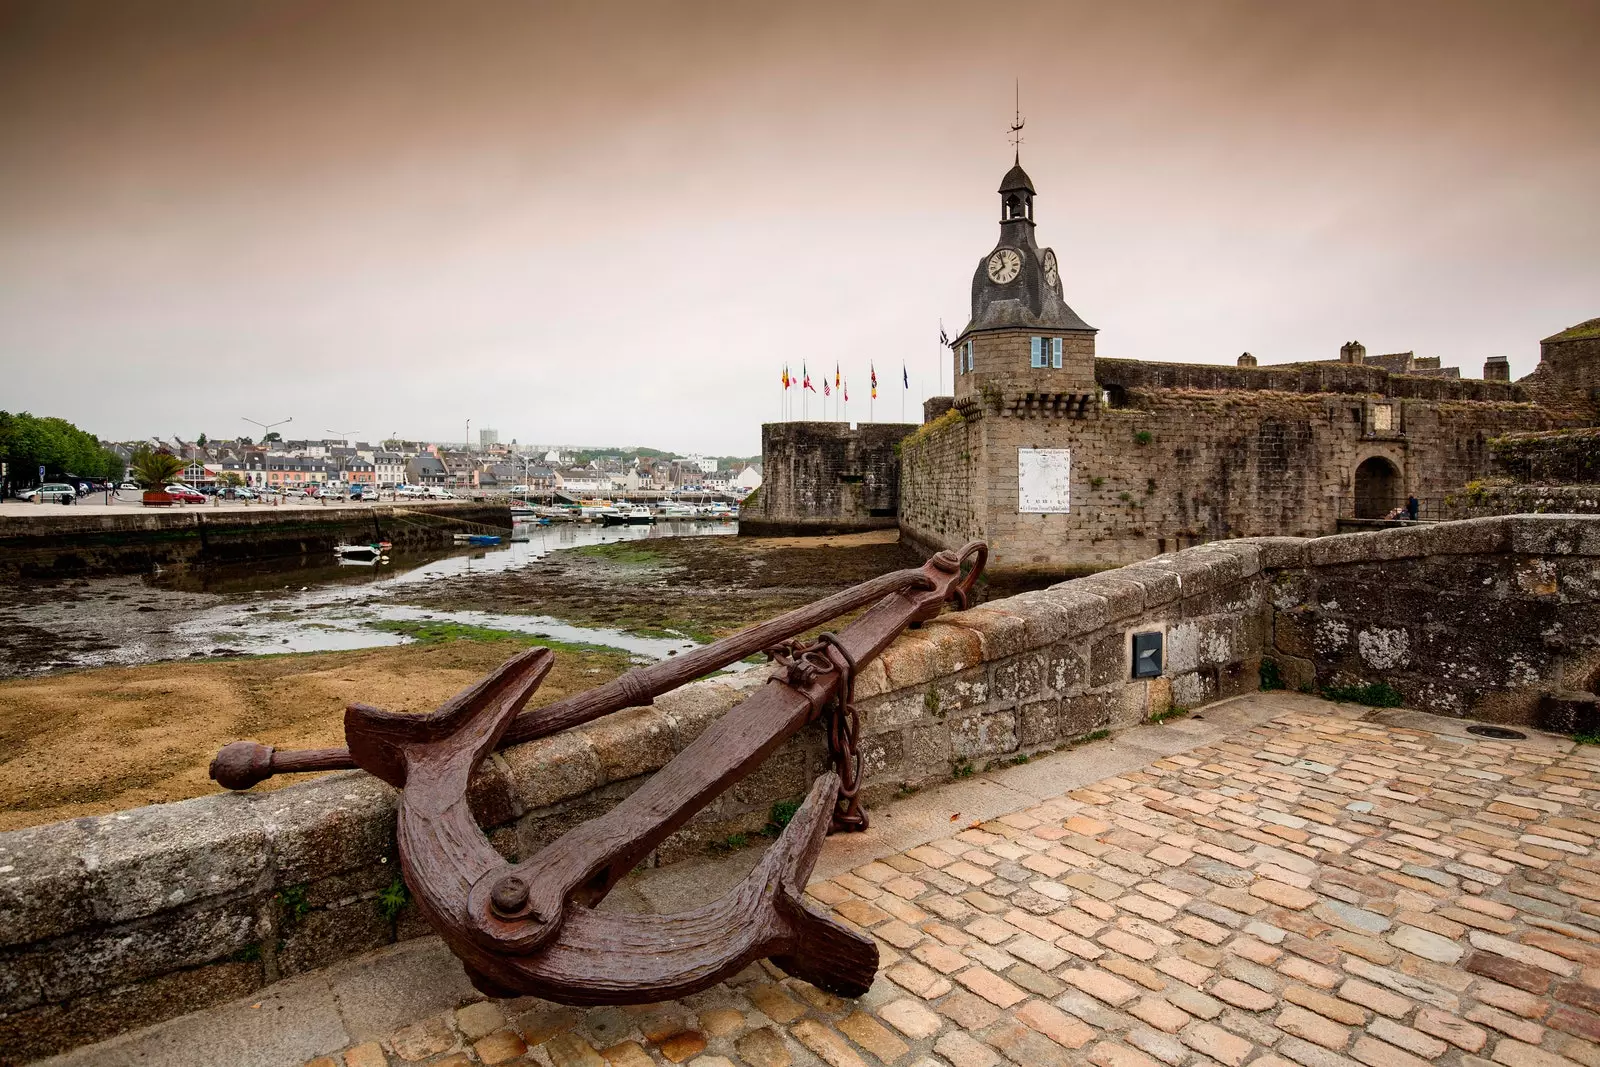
(1481, 499)
(1315, 377)
(1478, 618)
(113, 922)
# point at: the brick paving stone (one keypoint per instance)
(963, 1051)
(1027, 1047)
(990, 986)
(421, 1040)
(499, 1046)
(873, 1036)
(627, 1054)
(1331, 1007)
(827, 1045)
(1108, 1054)
(1100, 985)
(1211, 1040)
(366, 1054)
(682, 1045)
(570, 1050)
(1159, 1013)
(1459, 1033)
(1312, 1027)
(1242, 996)
(1375, 1053)
(1405, 1037)
(1314, 892)
(911, 1018)
(763, 1048)
(537, 1027)
(1054, 1024)
(771, 1001)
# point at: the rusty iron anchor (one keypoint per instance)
(531, 927)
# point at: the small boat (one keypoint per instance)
(477, 539)
(362, 553)
(638, 515)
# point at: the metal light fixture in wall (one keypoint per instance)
(1147, 655)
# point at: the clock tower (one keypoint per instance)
(1024, 351)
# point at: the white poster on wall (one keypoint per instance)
(1044, 481)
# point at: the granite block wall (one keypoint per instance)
(826, 477)
(1161, 468)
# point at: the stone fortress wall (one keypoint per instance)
(826, 477)
(1180, 454)
(114, 922)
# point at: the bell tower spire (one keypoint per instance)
(1017, 122)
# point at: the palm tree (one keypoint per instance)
(154, 471)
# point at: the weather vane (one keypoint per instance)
(1016, 126)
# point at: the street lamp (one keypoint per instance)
(266, 427)
(343, 435)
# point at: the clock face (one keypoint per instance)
(1004, 265)
(1051, 276)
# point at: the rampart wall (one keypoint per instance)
(113, 922)
(826, 477)
(1166, 464)
(65, 542)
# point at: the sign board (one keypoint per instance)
(1044, 481)
(41, 472)
(1382, 418)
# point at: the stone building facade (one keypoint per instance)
(1066, 462)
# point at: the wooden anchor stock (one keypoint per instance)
(531, 927)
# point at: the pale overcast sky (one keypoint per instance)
(608, 223)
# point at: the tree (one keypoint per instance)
(154, 471)
(273, 436)
(230, 479)
(28, 442)
(201, 440)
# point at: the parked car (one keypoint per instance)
(127, 487)
(186, 494)
(53, 493)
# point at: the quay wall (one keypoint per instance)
(825, 477)
(63, 542)
(113, 922)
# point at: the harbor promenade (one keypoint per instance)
(1275, 881)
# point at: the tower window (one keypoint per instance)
(1055, 352)
(1037, 345)
(966, 357)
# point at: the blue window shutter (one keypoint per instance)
(1055, 352)
(1038, 351)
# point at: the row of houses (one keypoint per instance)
(301, 464)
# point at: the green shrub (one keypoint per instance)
(392, 900)
(1143, 437)
(781, 814)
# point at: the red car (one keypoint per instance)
(185, 494)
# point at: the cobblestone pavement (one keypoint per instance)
(1319, 891)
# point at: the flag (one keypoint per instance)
(944, 338)
(786, 375)
(825, 390)
(838, 382)
(846, 388)
(874, 367)
(806, 379)
(905, 375)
